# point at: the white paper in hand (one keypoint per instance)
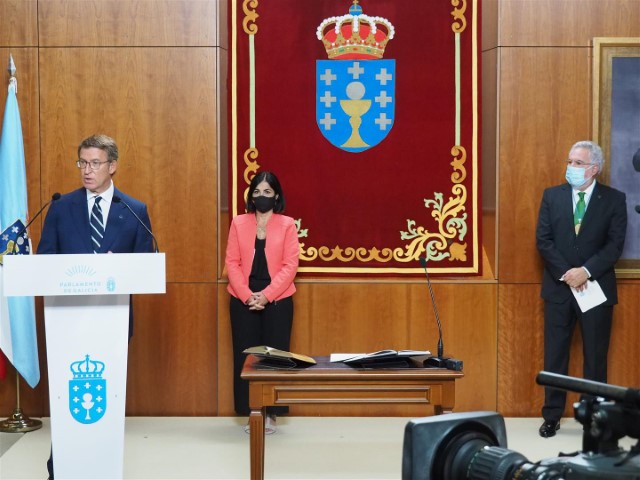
(590, 297)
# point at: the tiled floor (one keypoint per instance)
(303, 448)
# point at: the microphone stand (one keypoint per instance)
(439, 361)
(117, 199)
(54, 197)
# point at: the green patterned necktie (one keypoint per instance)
(578, 214)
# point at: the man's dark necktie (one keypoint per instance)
(578, 214)
(97, 225)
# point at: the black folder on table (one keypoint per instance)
(273, 358)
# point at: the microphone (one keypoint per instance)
(440, 360)
(117, 199)
(54, 197)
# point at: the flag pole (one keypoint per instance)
(18, 422)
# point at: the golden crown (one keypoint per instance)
(355, 35)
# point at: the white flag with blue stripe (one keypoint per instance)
(18, 338)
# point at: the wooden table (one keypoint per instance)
(337, 383)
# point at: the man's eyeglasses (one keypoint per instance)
(93, 164)
(578, 163)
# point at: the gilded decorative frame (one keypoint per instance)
(616, 89)
(450, 213)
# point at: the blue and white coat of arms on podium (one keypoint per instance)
(87, 391)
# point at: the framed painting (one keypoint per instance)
(616, 126)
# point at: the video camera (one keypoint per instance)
(472, 446)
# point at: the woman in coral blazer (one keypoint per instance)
(261, 261)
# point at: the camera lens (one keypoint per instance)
(473, 455)
(457, 453)
(498, 463)
(495, 463)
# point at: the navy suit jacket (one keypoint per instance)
(597, 246)
(67, 230)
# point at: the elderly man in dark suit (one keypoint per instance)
(580, 235)
(96, 218)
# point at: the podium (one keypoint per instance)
(86, 307)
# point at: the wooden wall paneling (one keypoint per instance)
(356, 317)
(489, 29)
(223, 159)
(172, 354)
(159, 105)
(18, 24)
(224, 364)
(26, 61)
(470, 333)
(489, 158)
(624, 367)
(567, 23)
(222, 16)
(521, 347)
(166, 23)
(544, 108)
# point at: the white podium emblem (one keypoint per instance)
(87, 391)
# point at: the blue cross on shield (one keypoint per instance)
(11, 243)
(355, 101)
(88, 399)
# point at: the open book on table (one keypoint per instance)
(385, 358)
(272, 357)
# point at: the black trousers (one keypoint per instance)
(249, 328)
(559, 323)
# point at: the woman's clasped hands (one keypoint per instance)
(257, 301)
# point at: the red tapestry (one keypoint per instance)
(368, 113)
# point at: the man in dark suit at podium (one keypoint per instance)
(74, 224)
(96, 218)
(581, 230)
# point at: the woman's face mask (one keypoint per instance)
(264, 204)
